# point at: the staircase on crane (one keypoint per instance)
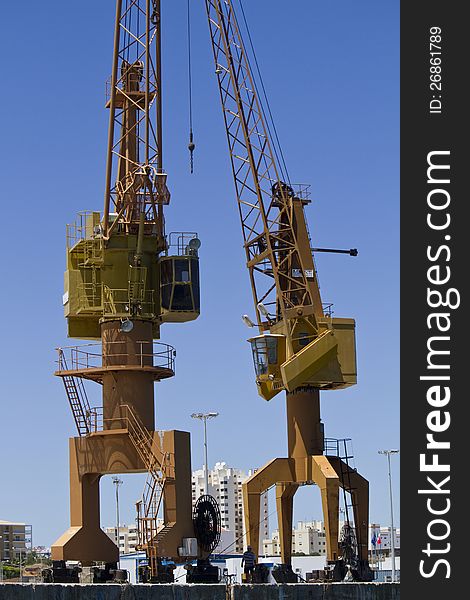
(156, 462)
(77, 397)
(342, 449)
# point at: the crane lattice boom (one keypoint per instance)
(135, 180)
(304, 346)
(281, 280)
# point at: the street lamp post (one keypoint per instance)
(117, 482)
(392, 535)
(1, 558)
(204, 417)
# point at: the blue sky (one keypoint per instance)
(332, 75)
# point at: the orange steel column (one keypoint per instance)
(127, 375)
(131, 385)
(177, 495)
(327, 479)
(304, 428)
(284, 504)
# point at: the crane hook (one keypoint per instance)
(191, 148)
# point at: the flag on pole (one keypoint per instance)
(374, 540)
(379, 540)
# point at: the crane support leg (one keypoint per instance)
(307, 465)
(177, 507)
(278, 469)
(358, 487)
(329, 474)
(113, 452)
(84, 540)
(284, 502)
(328, 481)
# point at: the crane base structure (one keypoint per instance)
(307, 465)
(105, 453)
(119, 437)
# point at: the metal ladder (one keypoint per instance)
(77, 397)
(143, 442)
(339, 448)
(158, 474)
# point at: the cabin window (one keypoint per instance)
(182, 271)
(264, 353)
(180, 284)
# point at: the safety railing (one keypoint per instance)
(98, 297)
(302, 190)
(120, 301)
(95, 419)
(90, 297)
(180, 243)
(92, 250)
(341, 448)
(77, 231)
(90, 356)
(159, 464)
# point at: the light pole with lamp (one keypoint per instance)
(117, 482)
(392, 535)
(1, 558)
(204, 417)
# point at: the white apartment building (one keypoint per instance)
(127, 537)
(225, 485)
(15, 540)
(308, 537)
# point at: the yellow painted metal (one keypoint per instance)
(287, 474)
(300, 349)
(326, 362)
(102, 284)
(285, 503)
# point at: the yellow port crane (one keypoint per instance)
(125, 278)
(300, 349)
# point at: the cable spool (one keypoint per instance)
(207, 523)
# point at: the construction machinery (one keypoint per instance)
(125, 278)
(301, 348)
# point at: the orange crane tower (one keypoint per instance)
(300, 348)
(125, 278)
